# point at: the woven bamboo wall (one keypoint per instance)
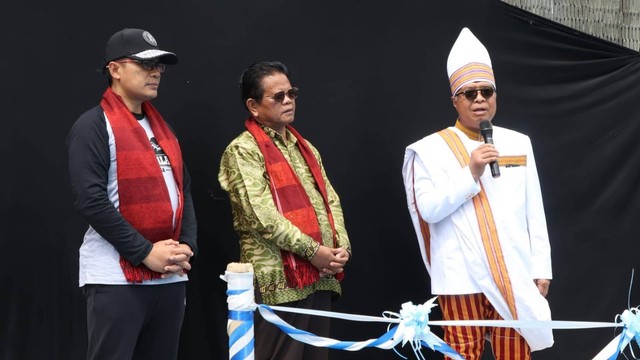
(615, 20)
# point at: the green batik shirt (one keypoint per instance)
(263, 230)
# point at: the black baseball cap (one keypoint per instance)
(136, 44)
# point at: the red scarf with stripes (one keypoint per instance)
(142, 191)
(292, 201)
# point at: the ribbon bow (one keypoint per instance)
(414, 329)
(414, 320)
(631, 320)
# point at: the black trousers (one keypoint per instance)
(271, 343)
(134, 321)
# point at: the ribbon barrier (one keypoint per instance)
(412, 324)
(411, 328)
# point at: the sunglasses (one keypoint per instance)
(147, 64)
(472, 94)
(279, 96)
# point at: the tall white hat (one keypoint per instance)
(468, 62)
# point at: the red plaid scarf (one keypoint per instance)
(142, 191)
(293, 202)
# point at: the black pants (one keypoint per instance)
(271, 343)
(134, 321)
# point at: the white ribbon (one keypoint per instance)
(413, 325)
(412, 328)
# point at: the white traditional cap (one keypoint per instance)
(468, 62)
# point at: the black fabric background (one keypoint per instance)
(373, 80)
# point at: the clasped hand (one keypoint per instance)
(330, 261)
(169, 257)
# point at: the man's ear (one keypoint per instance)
(252, 105)
(114, 70)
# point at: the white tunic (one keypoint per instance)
(443, 193)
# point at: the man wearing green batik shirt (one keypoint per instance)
(286, 212)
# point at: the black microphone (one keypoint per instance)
(486, 130)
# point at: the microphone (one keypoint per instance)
(486, 130)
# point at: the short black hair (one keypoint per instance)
(251, 78)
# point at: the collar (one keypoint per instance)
(275, 135)
(473, 135)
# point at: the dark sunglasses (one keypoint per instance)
(472, 94)
(279, 96)
(146, 64)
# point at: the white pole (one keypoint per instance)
(239, 277)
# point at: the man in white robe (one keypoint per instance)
(483, 239)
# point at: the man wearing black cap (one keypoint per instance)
(131, 186)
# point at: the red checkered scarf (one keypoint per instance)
(142, 191)
(293, 202)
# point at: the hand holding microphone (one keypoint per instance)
(486, 130)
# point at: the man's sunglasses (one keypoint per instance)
(279, 96)
(146, 64)
(472, 94)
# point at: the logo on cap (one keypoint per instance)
(149, 38)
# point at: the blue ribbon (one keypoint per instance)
(236, 292)
(241, 315)
(388, 340)
(237, 335)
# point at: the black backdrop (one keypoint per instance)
(373, 79)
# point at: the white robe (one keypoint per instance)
(443, 193)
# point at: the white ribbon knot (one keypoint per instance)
(414, 324)
(413, 328)
(631, 320)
